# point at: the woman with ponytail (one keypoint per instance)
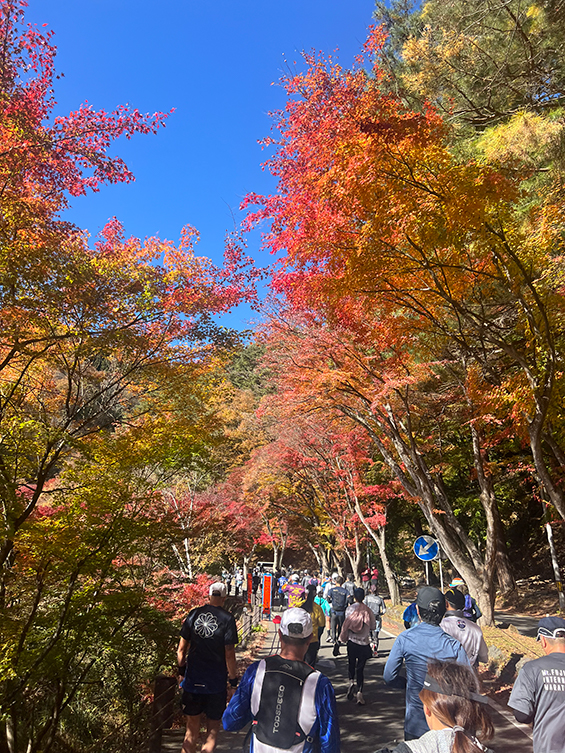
(456, 712)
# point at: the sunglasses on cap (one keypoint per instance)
(435, 687)
(557, 633)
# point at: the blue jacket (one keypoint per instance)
(415, 647)
(325, 730)
(411, 615)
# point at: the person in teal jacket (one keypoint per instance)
(321, 601)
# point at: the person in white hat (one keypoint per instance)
(206, 660)
(290, 705)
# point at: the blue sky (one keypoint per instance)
(215, 63)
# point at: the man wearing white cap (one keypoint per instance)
(290, 705)
(206, 659)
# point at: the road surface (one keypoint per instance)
(364, 729)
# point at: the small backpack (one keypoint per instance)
(468, 610)
(339, 600)
(282, 704)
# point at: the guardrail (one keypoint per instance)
(250, 618)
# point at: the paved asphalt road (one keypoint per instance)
(364, 729)
(526, 625)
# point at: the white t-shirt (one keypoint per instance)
(469, 635)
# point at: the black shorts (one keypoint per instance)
(211, 704)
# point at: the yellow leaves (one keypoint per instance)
(527, 138)
(537, 18)
(534, 11)
(433, 55)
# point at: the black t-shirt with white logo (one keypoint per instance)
(209, 630)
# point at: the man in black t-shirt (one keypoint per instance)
(337, 598)
(206, 659)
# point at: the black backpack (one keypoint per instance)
(283, 689)
(339, 599)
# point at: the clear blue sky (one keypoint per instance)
(214, 62)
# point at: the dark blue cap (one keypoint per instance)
(551, 627)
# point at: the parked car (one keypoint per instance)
(406, 581)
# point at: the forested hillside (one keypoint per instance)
(406, 376)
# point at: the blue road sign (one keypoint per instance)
(426, 548)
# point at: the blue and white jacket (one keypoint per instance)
(325, 731)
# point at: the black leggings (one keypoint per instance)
(357, 656)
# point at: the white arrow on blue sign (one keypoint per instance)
(426, 548)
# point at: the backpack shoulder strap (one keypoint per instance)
(258, 687)
(307, 714)
(274, 721)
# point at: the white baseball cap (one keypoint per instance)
(296, 623)
(293, 577)
(218, 589)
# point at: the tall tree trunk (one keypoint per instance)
(284, 537)
(496, 554)
(335, 566)
(325, 563)
(391, 581)
(427, 489)
(316, 554)
(553, 490)
(355, 558)
(246, 560)
(11, 727)
(355, 562)
(378, 537)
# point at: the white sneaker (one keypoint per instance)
(351, 691)
(360, 699)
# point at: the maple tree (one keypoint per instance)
(108, 365)
(413, 420)
(335, 458)
(306, 481)
(373, 207)
(89, 552)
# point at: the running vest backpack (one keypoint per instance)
(339, 600)
(282, 704)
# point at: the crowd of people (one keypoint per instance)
(290, 705)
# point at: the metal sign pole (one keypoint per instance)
(553, 553)
(426, 549)
(440, 570)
